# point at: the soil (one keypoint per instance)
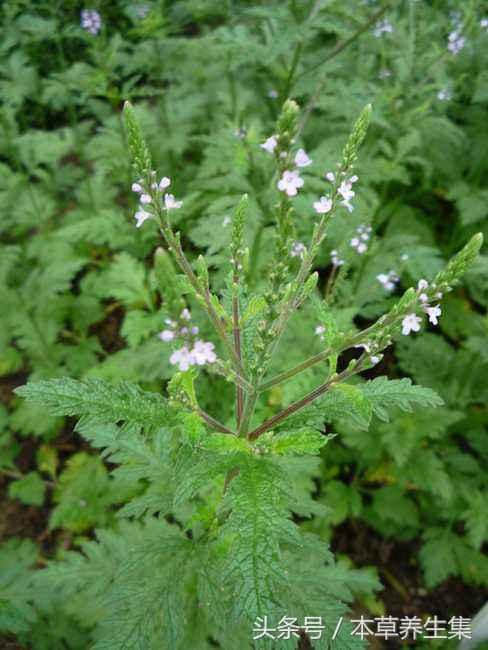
(404, 593)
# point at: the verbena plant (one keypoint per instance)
(208, 543)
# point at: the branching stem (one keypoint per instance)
(305, 401)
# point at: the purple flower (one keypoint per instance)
(91, 21)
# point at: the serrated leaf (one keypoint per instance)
(29, 489)
(384, 394)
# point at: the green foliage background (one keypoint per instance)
(80, 287)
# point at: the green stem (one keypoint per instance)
(287, 374)
(305, 401)
(215, 424)
(175, 246)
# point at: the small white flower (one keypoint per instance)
(270, 144)
(354, 242)
(362, 248)
(145, 198)
(183, 358)
(335, 259)
(323, 206)
(203, 353)
(166, 335)
(411, 323)
(365, 346)
(319, 331)
(422, 284)
(136, 187)
(298, 249)
(385, 281)
(375, 359)
(301, 159)
(170, 322)
(388, 280)
(433, 313)
(423, 297)
(382, 27)
(164, 183)
(404, 257)
(290, 182)
(141, 216)
(346, 191)
(226, 221)
(444, 95)
(142, 10)
(184, 330)
(330, 176)
(91, 21)
(170, 202)
(455, 42)
(194, 330)
(272, 93)
(185, 314)
(384, 73)
(484, 23)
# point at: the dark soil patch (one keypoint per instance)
(9, 383)
(404, 592)
(108, 329)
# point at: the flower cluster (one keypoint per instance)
(194, 351)
(411, 322)
(344, 189)
(388, 280)
(146, 200)
(91, 21)
(323, 205)
(370, 348)
(382, 27)
(444, 95)
(335, 259)
(359, 242)
(455, 42)
(319, 331)
(270, 144)
(142, 10)
(298, 249)
(290, 180)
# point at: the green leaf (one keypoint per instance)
(355, 404)
(124, 402)
(30, 489)
(285, 443)
(17, 557)
(47, 460)
(223, 443)
(82, 494)
(384, 394)
(257, 523)
(476, 519)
